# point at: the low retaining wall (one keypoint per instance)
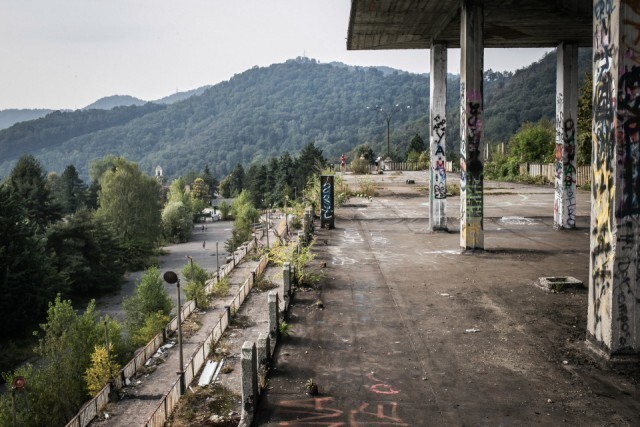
(90, 409)
(165, 408)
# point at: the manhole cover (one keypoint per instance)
(559, 283)
(516, 220)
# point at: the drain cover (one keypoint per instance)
(559, 283)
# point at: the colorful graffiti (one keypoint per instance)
(603, 190)
(626, 279)
(321, 411)
(471, 181)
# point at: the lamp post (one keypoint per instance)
(387, 116)
(171, 278)
(286, 215)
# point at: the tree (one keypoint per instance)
(149, 298)
(200, 190)
(309, 161)
(103, 368)
(65, 346)
(28, 280)
(88, 256)
(534, 142)
(416, 146)
(363, 151)
(195, 288)
(73, 191)
(129, 204)
(177, 222)
(28, 181)
(244, 214)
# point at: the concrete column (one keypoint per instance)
(274, 320)
(249, 381)
(286, 277)
(264, 349)
(471, 125)
(613, 325)
(564, 205)
(437, 139)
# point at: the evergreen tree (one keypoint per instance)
(28, 181)
(28, 280)
(88, 256)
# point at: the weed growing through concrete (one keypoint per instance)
(210, 405)
(284, 329)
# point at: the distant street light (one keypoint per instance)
(171, 278)
(387, 116)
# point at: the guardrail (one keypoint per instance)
(90, 409)
(165, 408)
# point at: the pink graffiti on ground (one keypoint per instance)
(381, 388)
(317, 412)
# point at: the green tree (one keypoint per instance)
(177, 222)
(129, 204)
(200, 190)
(28, 280)
(416, 147)
(150, 297)
(69, 191)
(244, 214)
(363, 151)
(195, 288)
(65, 346)
(28, 181)
(534, 142)
(310, 160)
(88, 256)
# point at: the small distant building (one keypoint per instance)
(159, 176)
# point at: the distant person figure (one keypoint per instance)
(202, 227)
(343, 163)
(378, 160)
(204, 244)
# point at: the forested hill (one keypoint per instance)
(264, 112)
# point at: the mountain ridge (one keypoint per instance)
(266, 111)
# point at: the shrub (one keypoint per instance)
(102, 369)
(360, 166)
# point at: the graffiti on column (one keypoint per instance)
(474, 156)
(603, 185)
(439, 187)
(463, 168)
(557, 202)
(627, 264)
(327, 218)
(569, 173)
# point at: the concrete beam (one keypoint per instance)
(471, 125)
(437, 139)
(564, 206)
(613, 324)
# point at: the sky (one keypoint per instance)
(66, 54)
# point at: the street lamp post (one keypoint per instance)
(171, 278)
(286, 215)
(387, 116)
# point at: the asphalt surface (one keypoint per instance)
(175, 260)
(415, 333)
